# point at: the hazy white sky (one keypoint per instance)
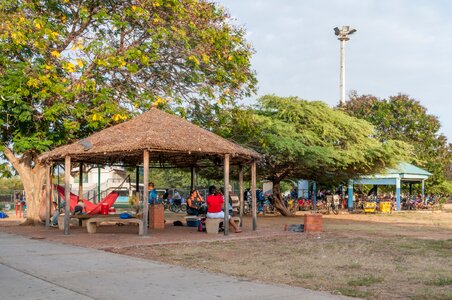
(400, 46)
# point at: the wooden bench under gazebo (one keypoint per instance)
(155, 137)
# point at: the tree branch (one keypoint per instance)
(9, 154)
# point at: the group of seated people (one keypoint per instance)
(214, 209)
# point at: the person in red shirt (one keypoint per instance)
(215, 203)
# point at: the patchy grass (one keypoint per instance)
(442, 281)
(432, 294)
(365, 267)
(365, 281)
(352, 292)
(396, 256)
(391, 256)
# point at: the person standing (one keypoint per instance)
(165, 195)
(152, 194)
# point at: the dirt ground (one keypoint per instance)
(395, 256)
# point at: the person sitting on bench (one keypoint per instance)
(177, 199)
(194, 204)
(214, 205)
(78, 209)
(55, 215)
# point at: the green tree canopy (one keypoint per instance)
(71, 67)
(403, 118)
(68, 68)
(304, 139)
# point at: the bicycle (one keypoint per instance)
(330, 204)
(246, 207)
(334, 206)
(178, 207)
(166, 204)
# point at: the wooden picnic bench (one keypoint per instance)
(93, 223)
(82, 219)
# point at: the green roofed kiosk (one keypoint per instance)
(403, 173)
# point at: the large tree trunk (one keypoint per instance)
(32, 175)
(277, 199)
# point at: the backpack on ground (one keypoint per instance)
(202, 225)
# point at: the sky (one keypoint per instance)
(401, 46)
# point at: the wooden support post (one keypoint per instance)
(80, 181)
(241, 196)
(98, 183)
(193, 179)
(226, 194)
(253, 194)
(58, 182)
(67, 193)
(145, 191)
(137, 182)
(48, 189)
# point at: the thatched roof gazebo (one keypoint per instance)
(156, 137)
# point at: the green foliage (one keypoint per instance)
(9, 184)
(443, 188)
(303, 139)
(442, 281)
(69, 68)
(403, 118)
(365, 281)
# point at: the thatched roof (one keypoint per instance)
(170, 139)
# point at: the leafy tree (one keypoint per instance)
(69, 68)
(403, 118)
(9, 184)
(303, 139)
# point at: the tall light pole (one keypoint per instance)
(342, 36)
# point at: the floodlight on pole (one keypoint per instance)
(343, 36)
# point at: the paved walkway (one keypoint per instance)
(36, 269)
